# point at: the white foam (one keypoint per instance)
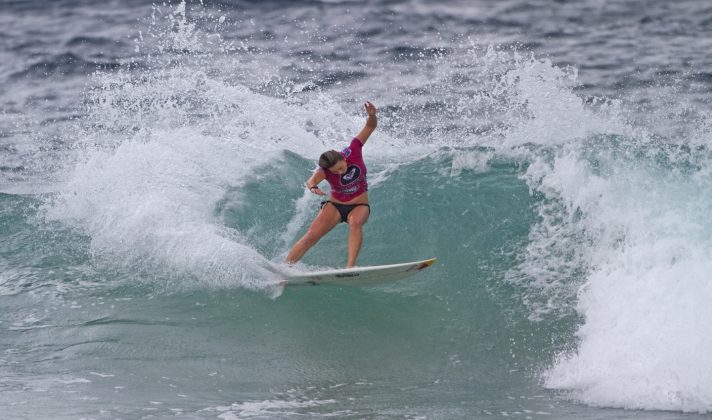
(470, 161)
(153, 166)
(266, 408)
(626, 236)
(645, 298)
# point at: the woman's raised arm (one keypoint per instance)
(371, 122)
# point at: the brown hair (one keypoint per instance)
(329, 159)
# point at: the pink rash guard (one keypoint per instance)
(353, 183)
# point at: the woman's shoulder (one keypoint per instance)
(355, 146)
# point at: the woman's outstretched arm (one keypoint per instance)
(371, 122)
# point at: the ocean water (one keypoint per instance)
(553, 155)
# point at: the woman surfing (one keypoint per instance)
(345, 172)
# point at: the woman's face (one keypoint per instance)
(339, 167)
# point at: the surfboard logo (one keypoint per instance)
(340, 275)
(351, 175)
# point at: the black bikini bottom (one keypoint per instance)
(344, 209)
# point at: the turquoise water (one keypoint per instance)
(457, 341)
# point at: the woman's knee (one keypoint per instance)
(357, 222)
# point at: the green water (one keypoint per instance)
(132, 342)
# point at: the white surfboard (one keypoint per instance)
(358, 276)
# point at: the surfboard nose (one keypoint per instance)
(426, 264)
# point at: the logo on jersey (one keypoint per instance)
(346, 152)
(351, 175)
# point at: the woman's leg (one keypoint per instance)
(327, 218)
(356, 219)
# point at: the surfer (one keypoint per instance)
(348, 202)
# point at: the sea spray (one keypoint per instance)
(622, 230)
(643, 301)
(157, 151)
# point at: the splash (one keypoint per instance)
(622, 238)
(161, 146)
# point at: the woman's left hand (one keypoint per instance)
(370, 108)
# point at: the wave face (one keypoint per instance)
(144, 215)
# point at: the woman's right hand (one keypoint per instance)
(317, 191)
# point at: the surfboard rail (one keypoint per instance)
(358, 276)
